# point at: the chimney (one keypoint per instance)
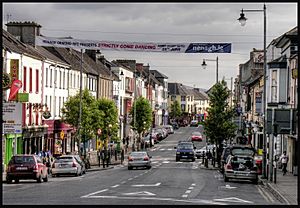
(24, 31)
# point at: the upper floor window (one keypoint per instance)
(274, 86)
(182, 98)
(30, 79)
(46, 84)
(51, 71)
(25, 79)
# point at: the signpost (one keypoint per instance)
(12, 118)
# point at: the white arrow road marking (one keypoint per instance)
(166, 162)
(140, 185)
(233, 199)
(188, 191)
(185, 195)
(86, 196)
(141, 193)
(170, 149)
(227, 186)
(193, 184)
(115, 186)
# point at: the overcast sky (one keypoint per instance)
(164, 22)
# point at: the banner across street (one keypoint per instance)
(135, 46)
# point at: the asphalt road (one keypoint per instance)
(167, 183)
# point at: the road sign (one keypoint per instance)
(12, 118)
(62, 134)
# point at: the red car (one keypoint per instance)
(196, 136)
(26, 167)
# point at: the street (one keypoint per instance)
(167, 182)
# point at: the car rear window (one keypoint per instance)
(183, 146)
(196, 133)
(139, 154)
(64, 159)
(23, 159)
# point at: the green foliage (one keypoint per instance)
(109, 115)
(218, 125)
(143, 114)
(175, 110)
(95, 114)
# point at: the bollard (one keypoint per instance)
(116, 155)
(206, 162)
(275, 169)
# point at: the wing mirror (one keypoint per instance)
(174, 147)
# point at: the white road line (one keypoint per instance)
(185, 195)
(115, 186)
(170, 149)
(191, 187)
(136, 176)
(93, 193)
(123, 182)
(162, 149)
(130, 179)
(188, 191)
(193, 184)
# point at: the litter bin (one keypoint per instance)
(258, 162)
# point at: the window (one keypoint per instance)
(30, 79)
(25, 79)
(37, 80)
(63, 80)
(46, 85)
(70, 81)
(50, 103)
(60, 79)
(50, 77)
(55, 77)
(274, 86)
(182, 98)
(46, 100)
(59, 105)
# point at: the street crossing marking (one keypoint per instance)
(233, 199)
(97, 192)
(188, 191)
(140, 193)
(185, 195)
(227, 186)
(140, 185)
(115, 186)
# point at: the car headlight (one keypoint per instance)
(177, 153)
(191, 153)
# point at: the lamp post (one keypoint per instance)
(242, 20)
(217, 66)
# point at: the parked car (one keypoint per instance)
(155, 136)
(175, 125)
(199, 152)
(240, 164)
(66, 165)
(196, 136)
(81, 162)
(185, 150)
(163, 134)
(169, 128)
(147, 140)
(139, 159)
(194, 123)
(26, 167)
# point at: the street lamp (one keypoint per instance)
(217, 66)
(242, 20)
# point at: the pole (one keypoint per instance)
(264, 98)
(217, 68)
(80, 106)
(231, 91)
(134, 116)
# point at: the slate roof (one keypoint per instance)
(10, 43)
(158, 74)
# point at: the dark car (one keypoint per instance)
(185, 150)
(194, 123)
(26, 167)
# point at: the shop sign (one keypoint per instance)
(12, 118)
(23, 97)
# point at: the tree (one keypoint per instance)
(109, 117)
(90, 116)
(142, 113)
(175, 110)
(218, 125)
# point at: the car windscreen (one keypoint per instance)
(23, 159)
(185, 146)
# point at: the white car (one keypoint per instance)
(199, 152)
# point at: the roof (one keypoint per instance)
(158, 74)
(10, 43)
(293, 33)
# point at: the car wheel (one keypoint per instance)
(226, 179)
(255, 181)
(148, 167)
(177, 159)
(39, 180)
(17, 181)
(193, 160)
(46, 178)
(8, 180)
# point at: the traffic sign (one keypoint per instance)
(62, 134)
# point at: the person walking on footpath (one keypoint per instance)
(284, 159)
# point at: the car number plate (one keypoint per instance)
(184, 156)
(21, 168)
(240, 173)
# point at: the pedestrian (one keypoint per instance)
(122, 156)
(284, 159)
(103, 156)
(124, 141)
(127, 141)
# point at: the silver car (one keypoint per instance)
(66, 165)
(139, 159)
(241, 165)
